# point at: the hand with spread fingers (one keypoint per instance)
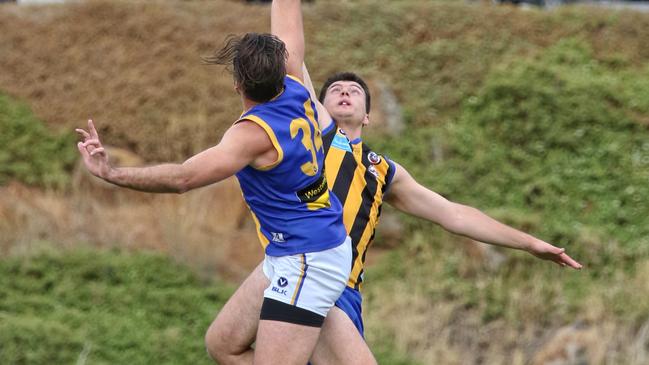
(93, 152)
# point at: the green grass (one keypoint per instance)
(121, 308)
(558, 135)
(109, 307)
(29, 152)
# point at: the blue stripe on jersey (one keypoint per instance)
(391, 171)
(328, 128)
(290, 198)
(341, 143)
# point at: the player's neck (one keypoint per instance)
(352, 130)
(248, 104)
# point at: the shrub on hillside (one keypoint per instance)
(107, 307)
(564, 135)
(29, 152)
(31, 340)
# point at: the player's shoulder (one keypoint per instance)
(378, 162)
(373, 156)
(294, 79)
(290, 89)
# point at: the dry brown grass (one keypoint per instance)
(133, 66)
(208, 229)
(441, 330)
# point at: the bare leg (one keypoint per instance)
(340, 343)
(284, 343)
(229, 337)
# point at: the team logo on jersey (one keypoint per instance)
(314, 191)
(374, 158)
(282, 281)
(372, 170)
(277, 237)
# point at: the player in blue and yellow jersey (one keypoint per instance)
(362, 180)
(289, 198)
(276, 151)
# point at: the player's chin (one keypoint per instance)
(342, 114)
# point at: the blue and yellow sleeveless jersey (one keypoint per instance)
(289, 199)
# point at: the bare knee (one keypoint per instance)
(219, 345)
(229, 338)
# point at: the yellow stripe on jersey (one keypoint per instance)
(296, 79)
(299, 281)
(269, 131)
(365, 240)
(333, 160)
(264, 241)
(359, 264)
(354, 200)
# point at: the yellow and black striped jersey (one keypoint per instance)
(359, 177)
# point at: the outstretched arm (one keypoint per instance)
(410, 197)
(286, 23)
(241, 145)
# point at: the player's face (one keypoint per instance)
(345, 100)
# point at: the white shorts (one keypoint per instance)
(312, 281)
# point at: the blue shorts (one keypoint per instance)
(350, 302)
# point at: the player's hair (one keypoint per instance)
(346, 76)
(257, 62)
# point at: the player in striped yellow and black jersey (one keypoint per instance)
(359, 177)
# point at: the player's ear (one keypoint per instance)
(366, 120)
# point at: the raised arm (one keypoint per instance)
(410, 197)
(324, 118)
(243, 144)
(286, 23)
